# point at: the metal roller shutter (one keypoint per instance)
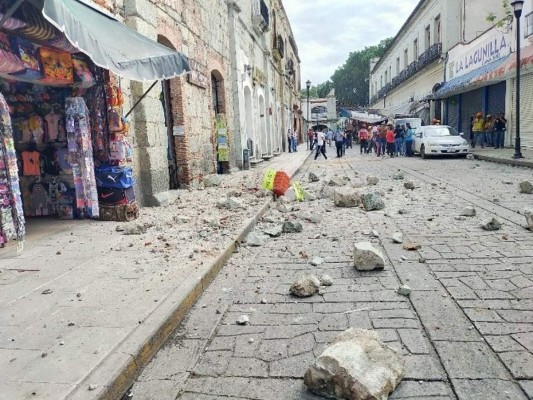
(471, 104)
(526, 116)
(452, 112)
(497, 99)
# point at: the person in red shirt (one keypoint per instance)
(389, 136)
(363, 139)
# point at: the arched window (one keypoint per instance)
(319, 110)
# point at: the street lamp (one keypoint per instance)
(517, 8)
(308, 86)
(384, 100)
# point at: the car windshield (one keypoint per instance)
(441, 132)
(414, 122)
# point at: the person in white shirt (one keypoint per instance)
(321, 144)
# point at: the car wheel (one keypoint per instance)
(423, 152)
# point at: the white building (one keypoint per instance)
(320, 113)
(414, 66)
(266, 78)
(481, 78)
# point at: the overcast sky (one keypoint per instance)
(326, 31)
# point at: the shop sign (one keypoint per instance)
(198, 74)
(259, 77)
(490, 47)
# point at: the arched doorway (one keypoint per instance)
(220, 134)
(249, 127)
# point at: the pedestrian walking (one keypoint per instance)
(310, 138)
(382, 140)
(478, 126)
(330, 137)
(321, 144)
(489, 130)
(398, 139)
(389, 137)
(294, 141)
(500, 126)
(339, 142)
(371, 140)
(363, 140)
(349, 139)
(409, 138)
(289, 140)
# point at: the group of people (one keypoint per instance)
(381, 139)
(386, 139)
(488, 131)
(292, 141)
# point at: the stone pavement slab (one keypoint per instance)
(113, 299)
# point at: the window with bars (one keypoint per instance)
(529, 24)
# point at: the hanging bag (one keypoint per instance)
(83, 77)
(9, 62)
(108, 176)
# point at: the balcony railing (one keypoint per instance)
(426, 58)
(260, 16)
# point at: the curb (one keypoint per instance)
(124, 363)
(506, 161)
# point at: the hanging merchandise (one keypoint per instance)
(37, 28)
(56, 66)
(81, 156)
(26, 52)
(83, 77)
(9, 62)
(11, 212)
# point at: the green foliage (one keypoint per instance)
(351, 79)
(492, 17)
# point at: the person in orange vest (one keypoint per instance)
(363, 140)
(478, 128)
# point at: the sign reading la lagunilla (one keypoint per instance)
(482, 54)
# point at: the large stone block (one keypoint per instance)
(367, 258)
(355, 366)
(143, 9)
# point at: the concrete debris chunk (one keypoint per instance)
(243, 320)
(468, 212)
(470, 156)
(305, 286)
(491, 224)
(326, 280)
(255, 239)
(132, 228)
(212, 180)
(397, 238)
(372, 180)
(372, 201)
(526, 187)
(358, 183)
(316, 261)
(275, 231)
(344, 197)
(336, 181)
(411, 246)
(284, 208)
(367, 258)
(229, 203)
(313, 177)
(399, 177)
(409, 185)
(404, 290)
(355, 366)
(292, 227)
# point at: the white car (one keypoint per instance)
(439, 140)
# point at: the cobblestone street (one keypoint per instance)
(466, 330)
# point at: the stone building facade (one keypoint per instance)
(234, 78)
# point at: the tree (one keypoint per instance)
(506, 20)
(319, 91)
(351, 80)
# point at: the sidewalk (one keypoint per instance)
(504, 156)
(84, 309)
